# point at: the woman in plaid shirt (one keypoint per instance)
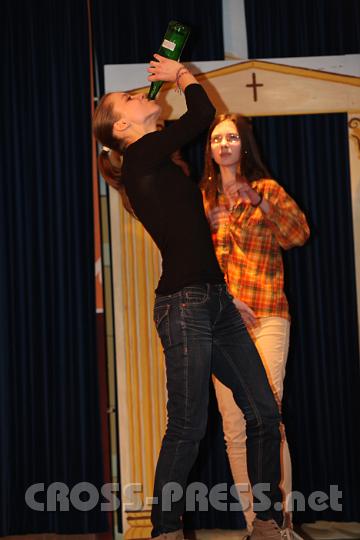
(252, 218)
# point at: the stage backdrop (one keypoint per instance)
(307, 154)
(207, 465)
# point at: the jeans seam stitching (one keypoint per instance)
(258, 416)
(251, 401)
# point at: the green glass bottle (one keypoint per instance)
(171, 47)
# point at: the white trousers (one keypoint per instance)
(271, 338)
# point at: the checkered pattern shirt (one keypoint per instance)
(248, 247)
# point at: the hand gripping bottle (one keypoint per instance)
(172, 46)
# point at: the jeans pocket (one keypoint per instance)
(162, 323)
(195, 295)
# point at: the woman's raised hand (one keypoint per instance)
(246, 192)
(163, 69)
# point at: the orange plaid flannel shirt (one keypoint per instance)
(248, 247)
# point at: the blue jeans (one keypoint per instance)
(202, 332)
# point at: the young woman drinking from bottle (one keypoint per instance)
(199, 326)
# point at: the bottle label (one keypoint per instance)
(168, 45)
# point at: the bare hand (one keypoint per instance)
(217, 216)
(163, 69)
(246, 313)
(247, 192)
(232, 191)
(241, 191)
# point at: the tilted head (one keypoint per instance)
(119, 120)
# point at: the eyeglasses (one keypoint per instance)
(231, 138)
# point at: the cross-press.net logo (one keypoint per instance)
(84, 496)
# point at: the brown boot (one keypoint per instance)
(270, 530)
(175, 535)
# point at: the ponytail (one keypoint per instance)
(110, 171)
(109, 163)
(110, 160)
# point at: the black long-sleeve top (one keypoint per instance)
(168, 203)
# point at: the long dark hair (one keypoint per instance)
(110, 159)
(251, 165)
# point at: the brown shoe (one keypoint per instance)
(175, 535)
(270, 530)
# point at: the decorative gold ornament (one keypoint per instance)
(354, 125)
